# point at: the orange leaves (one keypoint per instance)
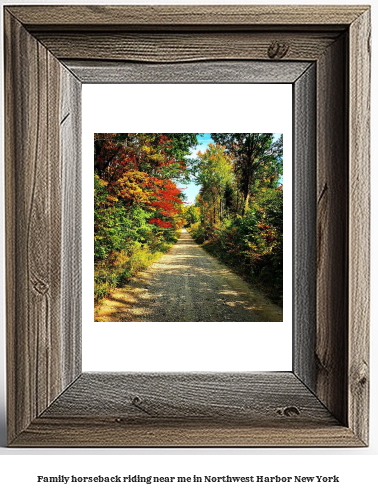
(130, 187)
(161, 223)
(164, 199)
(111, 199)
(135, 169)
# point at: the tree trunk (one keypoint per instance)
(246, 203)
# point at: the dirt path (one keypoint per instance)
(187, 284)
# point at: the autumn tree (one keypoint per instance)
(137, 204)
(253, 156)
(213, 171)
(241, 205)
(158, 155)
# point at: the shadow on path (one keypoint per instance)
(187, 284)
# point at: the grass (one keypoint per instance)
(122, 266)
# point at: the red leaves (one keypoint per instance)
(164, 200)
(135, 169)
(160, 223)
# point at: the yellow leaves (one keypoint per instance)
(156, 157)
(131, 186)
(101, 181)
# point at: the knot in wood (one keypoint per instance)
(278, 50)
(136, 400)
(363, 381)
(289, 411)
(41, 287)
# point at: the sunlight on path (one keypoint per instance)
(187, 284)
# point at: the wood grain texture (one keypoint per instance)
(173, 16)
(33, 187)
(323, 403)
(192, 409)
(359, 226)
(70, 144)
(304, 228)
(332, 230)
(216, 396)
(34, 227)
(97, 432)
(202, 72)
(180, 47)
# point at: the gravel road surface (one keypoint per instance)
(187, 284)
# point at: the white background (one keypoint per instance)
(356, 467)
(186, 346)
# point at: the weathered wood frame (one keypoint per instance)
(49, 52)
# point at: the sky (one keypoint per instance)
(191, 190)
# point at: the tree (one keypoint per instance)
(159, 155)
(191, 214)
(214, 172)
(165, 202)
(253, 155)
(134, 184)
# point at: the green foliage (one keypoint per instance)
(117, 227)
(192, 215)
(138, 209)
(251, 244)
(241, 206)
(255, 157)
(137, 206)
(122, 265)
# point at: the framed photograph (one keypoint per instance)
(192, 298)
(323, 52)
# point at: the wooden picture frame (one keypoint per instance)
(324, 52)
